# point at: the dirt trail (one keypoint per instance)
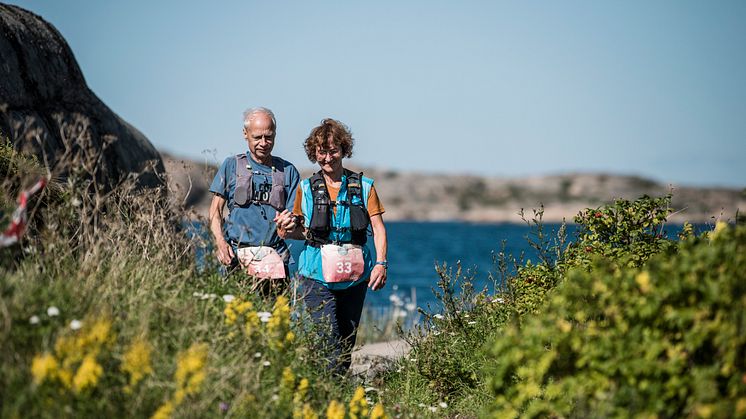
(373, 358)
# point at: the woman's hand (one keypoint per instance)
(377, 278)
(285, 223)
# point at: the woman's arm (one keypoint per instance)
(378, 275)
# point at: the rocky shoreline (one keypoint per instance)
(437, 197)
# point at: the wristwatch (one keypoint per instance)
(383, 263)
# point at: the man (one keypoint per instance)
(258, 188)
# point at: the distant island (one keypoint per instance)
(411, 196)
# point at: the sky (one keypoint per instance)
(494, 88)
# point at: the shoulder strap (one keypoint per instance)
(244, 186)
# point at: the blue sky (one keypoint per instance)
(656, 89)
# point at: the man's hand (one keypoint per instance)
(225, 252)
(285, 223)
(377, 278)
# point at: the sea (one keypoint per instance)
(416, 248)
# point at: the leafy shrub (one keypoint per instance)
(667, 339)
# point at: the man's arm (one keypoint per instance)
(225, 252)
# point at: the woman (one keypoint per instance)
(334, 208)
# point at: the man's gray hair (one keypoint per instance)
(249, 114)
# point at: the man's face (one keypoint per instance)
(260, 135)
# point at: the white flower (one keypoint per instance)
(421, 405)
(438, 316)
(433, 409)
(197, 294)
(410, 307)
(34, 319)
(443, 405)
(498, 300)
(472, 322)
(212, 296)
(400, 313)
(266, 363)
(76, 324)
(53, 311)
(228, 298)
(369, 389)
(436, 333)
(76, 202)
(264, 316)
(275, 397)
(258, 355)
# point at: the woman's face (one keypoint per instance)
(329, 157)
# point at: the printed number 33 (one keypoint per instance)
(344, 267)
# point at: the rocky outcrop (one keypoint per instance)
(47, 109)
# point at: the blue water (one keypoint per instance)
(415, 247)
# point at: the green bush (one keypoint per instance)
(664, 340)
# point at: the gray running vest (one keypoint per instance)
(245, 187)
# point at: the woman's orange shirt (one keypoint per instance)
(374, 204)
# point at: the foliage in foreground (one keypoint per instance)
(498, 354)
(103, 312)
(667, 339)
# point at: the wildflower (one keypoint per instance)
(288, 379)
(252, 323)
(264, 316)
(643, 281)
(432, 409)
(443, 405)
(438, 316)
(224, 407)
(720, 226)
(279, 323)
(228, 298)
(76, 324)
(197, 294)
(53, 311)
(190, 371)
(164, 412)
(498, 300)
(335, 410)
(43, 367)
(369, 389)
(358, 405)
(275, 397)
(34, 319)
(266, 363)
(136, 362)
(564, 325)
(301, 391)
(378, 412)
(410, 306)
(304, 413)
(258, 355)
(472, 322)
(88, 374)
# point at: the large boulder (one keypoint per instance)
(47, 109)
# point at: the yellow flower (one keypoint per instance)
(301, 391)
(190, 369)
(358, 404)
(279, 324)
(43, 367)
(335, 410)
(87, 375)
(643, 281)
(288, 379)
(136, 362)
(252, 323)
(378, 412)
(164, 412)
(720, 226)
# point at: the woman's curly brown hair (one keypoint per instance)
(330, 133)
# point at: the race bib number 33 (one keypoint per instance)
(342, 263)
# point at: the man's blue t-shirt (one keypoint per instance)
(252, 224)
